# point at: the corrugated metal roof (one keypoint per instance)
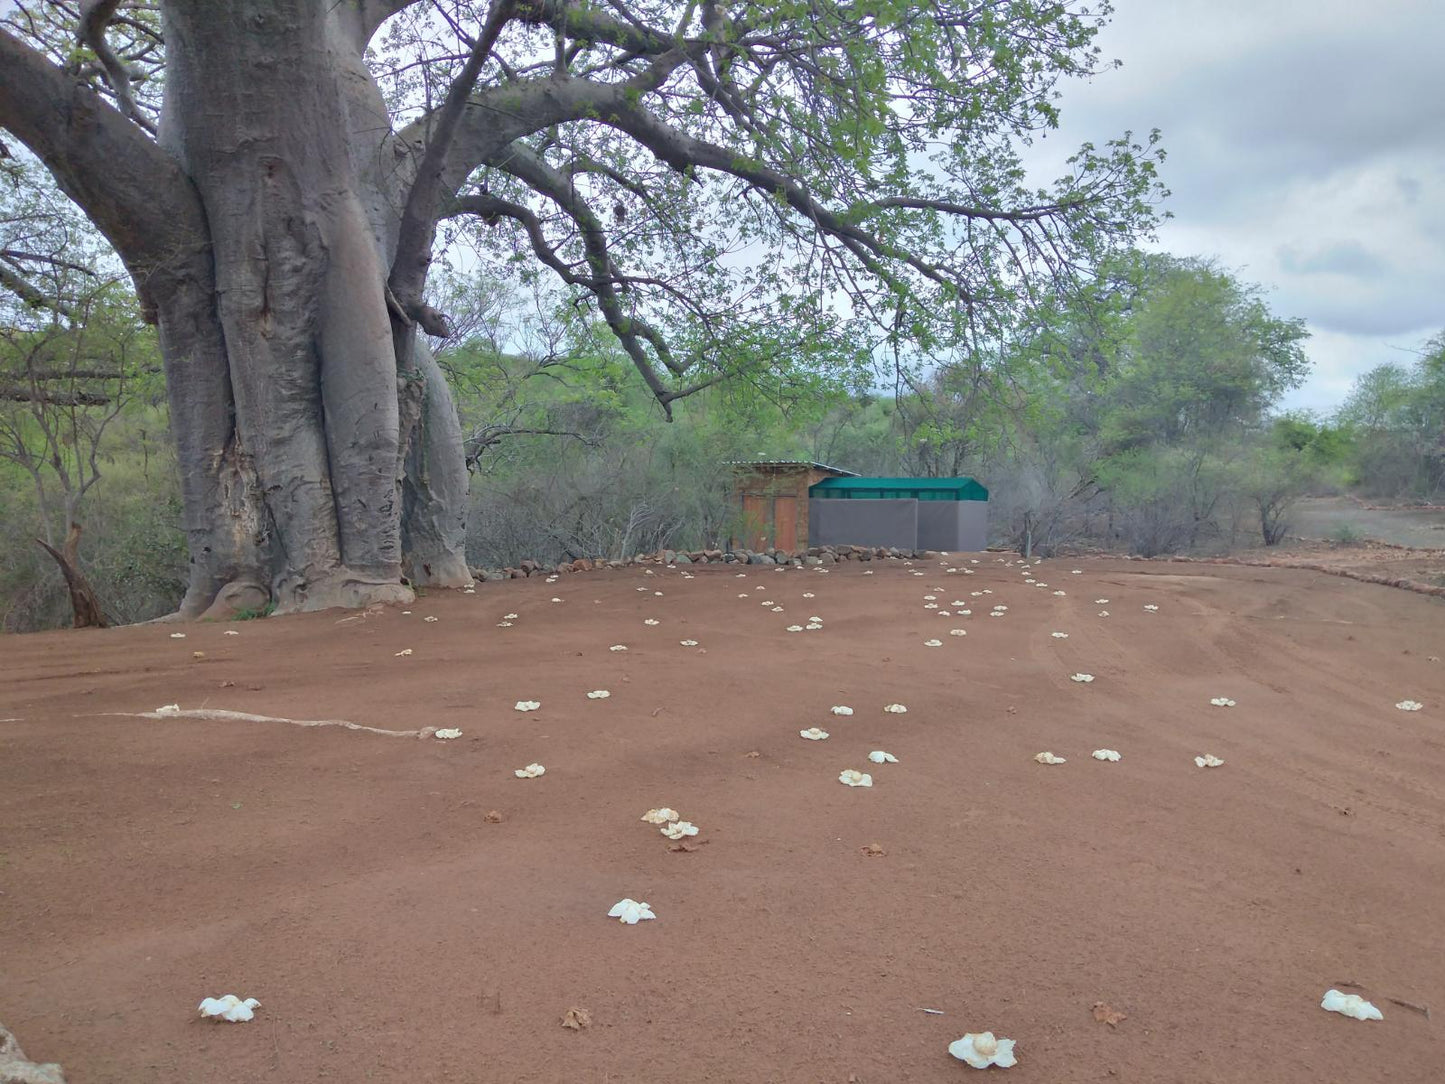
(788, 463)
(962, 488)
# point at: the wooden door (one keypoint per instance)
(785, 523)
(755, 521)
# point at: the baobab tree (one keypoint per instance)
(718, 182)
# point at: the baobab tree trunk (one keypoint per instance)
(287, 394)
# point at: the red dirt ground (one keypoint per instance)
(352, 882)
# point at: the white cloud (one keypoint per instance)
(1306, 152)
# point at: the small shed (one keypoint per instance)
(947, 514)
(771, 502)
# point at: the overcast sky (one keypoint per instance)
(1306, 144)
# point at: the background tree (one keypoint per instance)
(72, 352)
(727, 189)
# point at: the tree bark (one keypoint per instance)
(83, 601)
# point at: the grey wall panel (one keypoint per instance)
(863, 523)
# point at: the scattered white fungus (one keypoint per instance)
(528, 705)
(531, 771)
(795, 628)
(850, 778)
(230, 1007)
(598, 694)
(651, 621)
(813, 734)
(1076, 571)
(618, 647)
(930, 598)
(169, 709)
(1222, 702)
(447, 733)
(958, 632)
(1151, 607)
(1409, 705)
(808, 594)
(982, 1050)
(1049, 758)
(178, 636)
(630, 911)
(1105, 754)
(878, 756)
(679, 829)
(1100, 601)
(1208, 760)
(1103, 613)
(504, 624)
(1059, 635)
(777, 609)
(431, 618)
(932, 643)
(930, 605)
(1350, 1005)
(403, 653)
(231, 632)
(1082, 679)
(509, 617)
(555, 599)
(664, 815)
(894, 709)
(841, 709)
(688, 643)
(1058, 592)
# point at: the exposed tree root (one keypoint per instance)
(247, 717)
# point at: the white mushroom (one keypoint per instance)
(813, 734)
(1105, 754)
(630, 911)
(894, 709)
(1409, 705)
(932, 643)
(1049, 758)
(982, 1050)
(531, 771)
(679, 829)
(841, 709)
(598, 694)
(229, 1007)
(447, 733)
(878, 756)
(853, 778)
(665, 815)
(1222, 702)
(1082, 679)
(528, 705)
(1208, 760)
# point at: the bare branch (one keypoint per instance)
(419, 217)
(95, 16)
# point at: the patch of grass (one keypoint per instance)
(1345, 534)
(250, 614)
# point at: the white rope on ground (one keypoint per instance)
(247, 717)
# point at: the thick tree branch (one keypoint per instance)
(128, 186)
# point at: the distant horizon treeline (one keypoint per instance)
(1142, 418)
